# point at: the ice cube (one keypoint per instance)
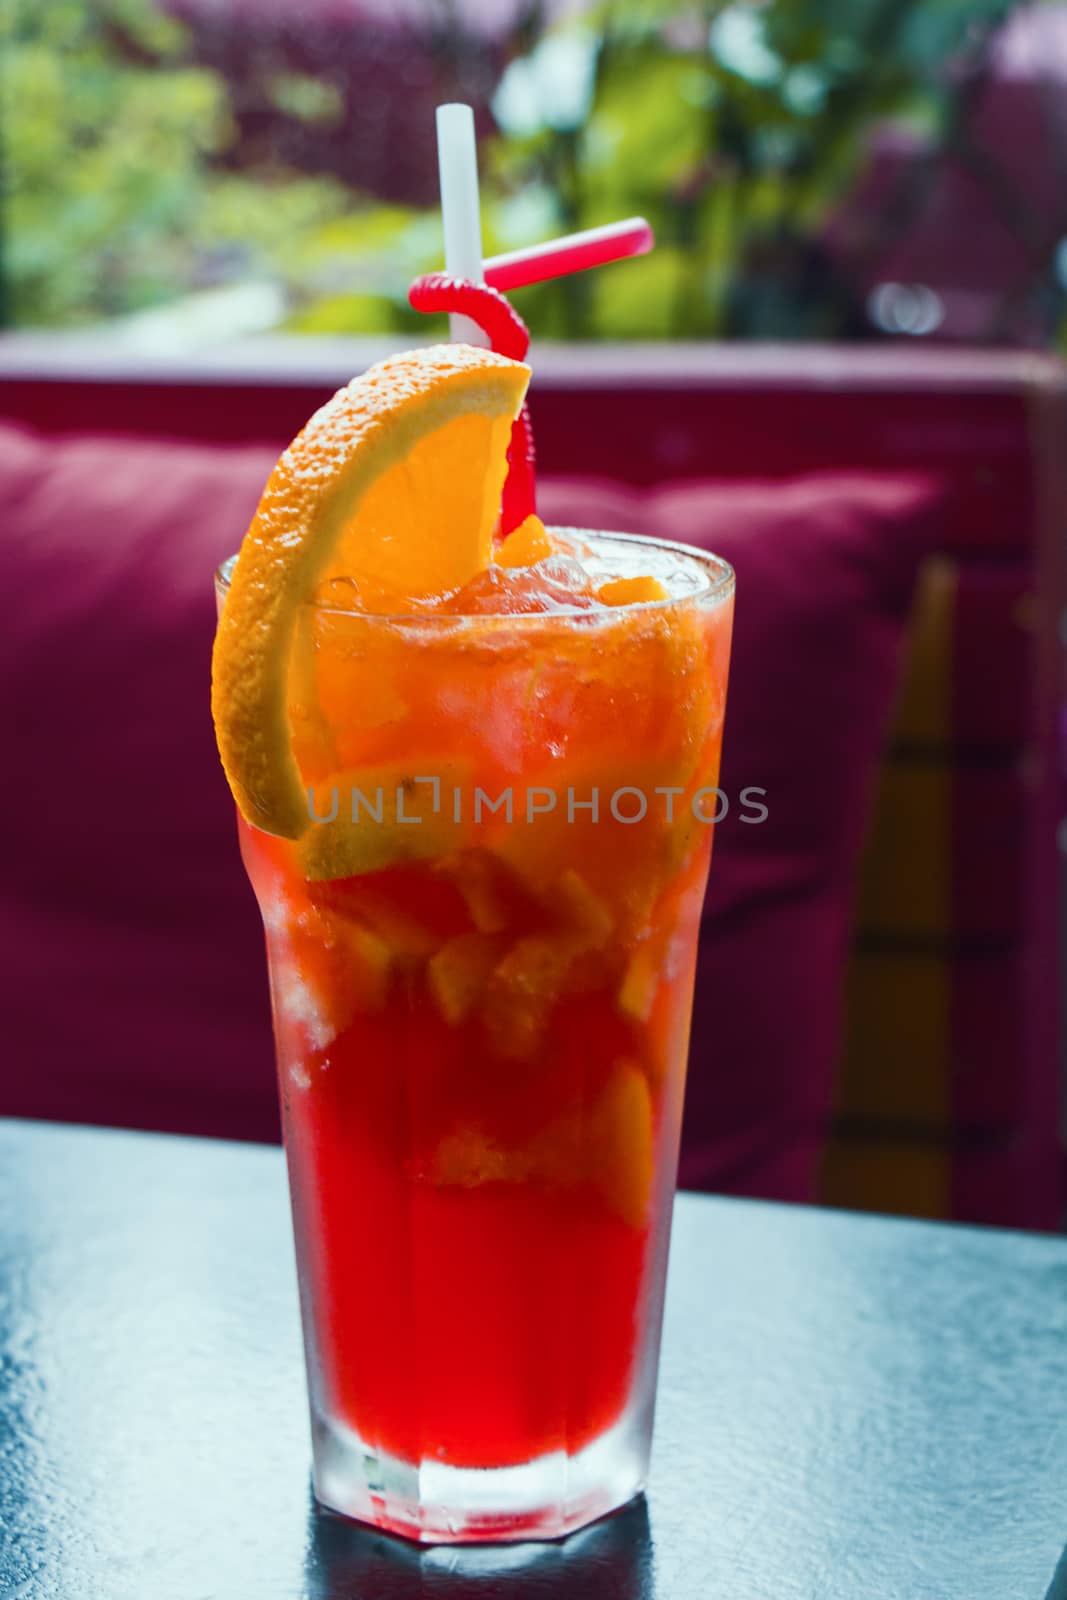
(563, 573)
(555, 584)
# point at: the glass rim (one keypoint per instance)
(719, 573)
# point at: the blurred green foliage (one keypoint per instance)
(736, 128)
(112, 200)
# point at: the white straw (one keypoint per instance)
(457, 160)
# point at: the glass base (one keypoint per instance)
(436, 1504)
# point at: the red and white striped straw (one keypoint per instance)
(575, 252)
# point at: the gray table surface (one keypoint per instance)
(851, 1408)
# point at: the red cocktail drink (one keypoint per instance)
(476, 779)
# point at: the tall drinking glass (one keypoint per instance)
(481, 959)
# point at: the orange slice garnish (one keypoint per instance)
(394, 483)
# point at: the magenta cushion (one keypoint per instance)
(134, 975)
(825, 566)
(130, 941)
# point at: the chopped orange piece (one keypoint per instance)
(637, 991)
(408, 905)
(554, 1153)
(630, 591)
(484, 883)
(523, 989)
(368, 962)
(612, 1146)
(469, 1158)
(585, 911)
(619, 863)
(552, 1156)
(620, 1143)
(458, 973)
(526, 544)
(408, 939)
